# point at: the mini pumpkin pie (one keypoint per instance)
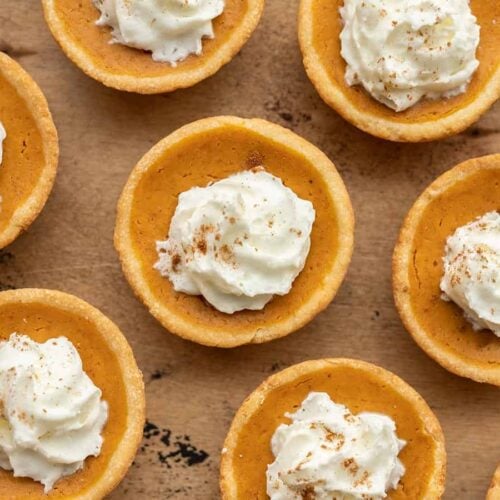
(418, 73)
(445, 270)
(494, 491)
(151, 47)
(28, 150)
(234, 231)
(72, 398)
(309, 430)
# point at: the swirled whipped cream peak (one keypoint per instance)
(471, 275)
(3, 135)
(170, 29)
(237, 242)
(52, 414)
(327, 453)
(401, 52)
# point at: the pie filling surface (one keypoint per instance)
(206, 157)
(359, 391)
(79, 22)
(444, 322)
(327, 25)
(23, 157)
(42, 322)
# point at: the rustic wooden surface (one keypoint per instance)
(194, 391)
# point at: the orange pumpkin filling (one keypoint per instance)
(359, 391)
(79, 20)
(23, 158)
(200, 159)
(327, 25)
(469, 198)
(42, 322)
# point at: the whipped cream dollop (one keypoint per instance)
(401, 52)
(170, 29)
(238, 242)
(3, 135)
(52, 414)
(471, 276)
(327, 453)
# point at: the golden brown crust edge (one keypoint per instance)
(37, 104)
(158, 84)
(254, 400)
(401, 282)
(494, 491)
(316, 303)
(136, 405)
(450, 124)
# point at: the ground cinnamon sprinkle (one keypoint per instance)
(255, 159)
(200, 239)
(226, 254)
(205, 228)
(201, 245)
(363, 480)
(349, 417)
(351, 465)
(308, 493)
(176, 260)
(334, 436)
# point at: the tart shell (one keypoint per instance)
(494, 491)
(188, 316)
(73, 26)
(319, 21)
(405, 257)
(29, 92)
(299, 380)
(14, 303)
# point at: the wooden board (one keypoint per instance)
(193, 391)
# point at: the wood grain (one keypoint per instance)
(194, 391)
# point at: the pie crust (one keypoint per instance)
(319, 35)
(454, 199)
(494, 491)
(109, 362)
(30, 151)
(73, 26)
(208, 150)
(361, 387)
